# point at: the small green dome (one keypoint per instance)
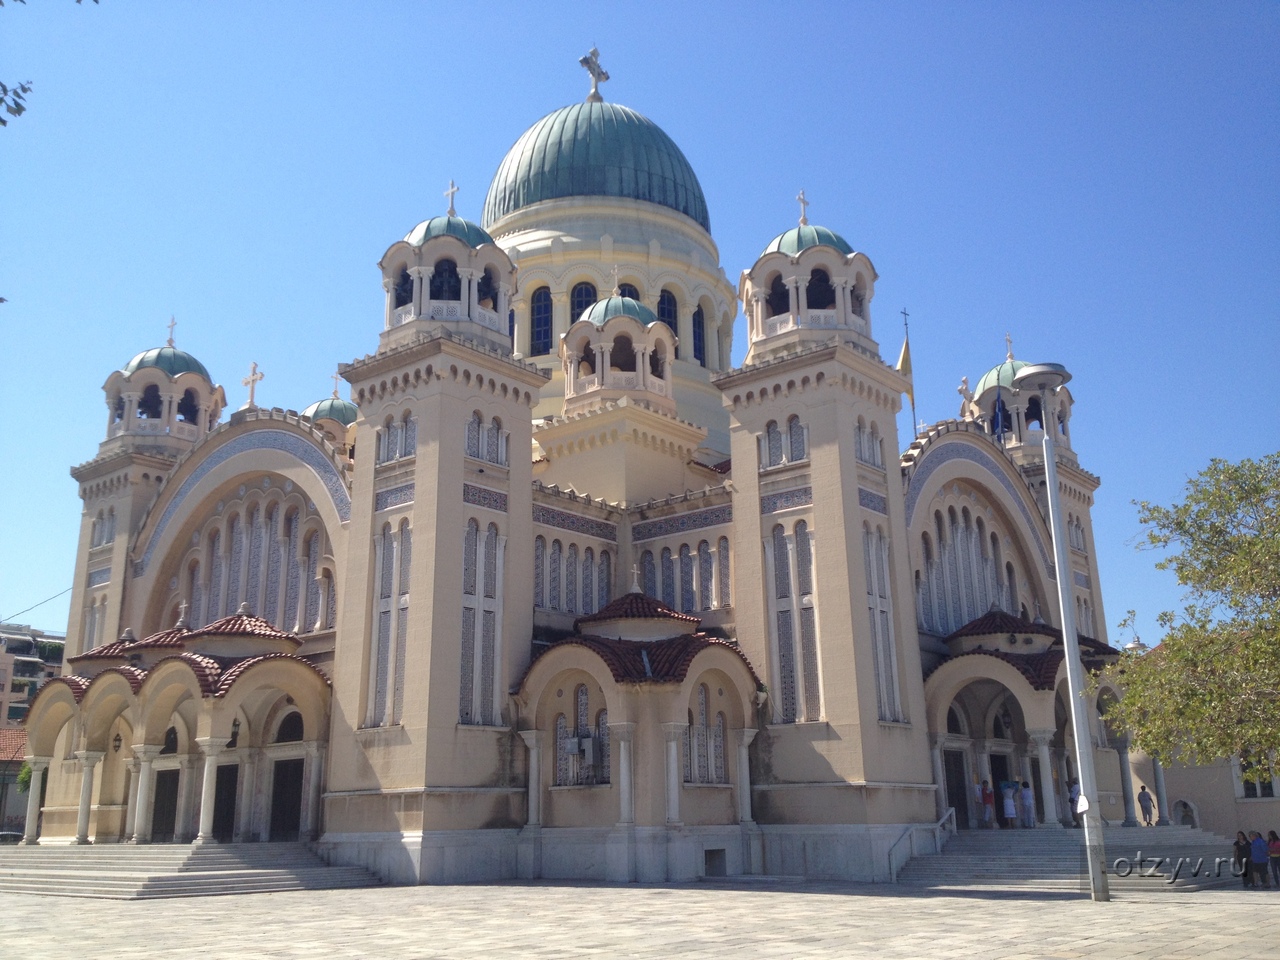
(1001, 375)
(805, 236)
(604, 310)
(333, 408)
(169, 359)
(469, 233)
(595, 150)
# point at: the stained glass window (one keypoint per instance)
(602, 737)
(469, 548)
(706, 575)
(774, 438)
(582, 297)
(722, 551)
(668, 579)
(312, 615)
(554, 600)
(588, 580)
(539, 561)
(606, 579)
(571, 579)
(648, 570)
(795, 439)
(540, 322)
(699, 337)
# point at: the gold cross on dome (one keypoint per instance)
(172, 323)
(598, 74)
(254, 378)
(453, 188)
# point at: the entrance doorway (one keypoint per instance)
(957, 786)
(224, 803)
(164, 812)
(286, 799)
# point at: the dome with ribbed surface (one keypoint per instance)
(333, 408)
(804, 236)
(595, 150)
(469, 233)
(604, 310)
(169, 359)
(1000, 375)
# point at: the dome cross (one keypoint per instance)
(171, 324)
(1008, 345)
(453, 189)
(336, 378)
(598, 74)
(254, 378)
(804, 204)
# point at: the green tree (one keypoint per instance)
(13, 97)
(1211, 689)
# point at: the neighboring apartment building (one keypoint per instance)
(28, 657)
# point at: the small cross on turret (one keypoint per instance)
(804, 204)
(1008, 345)
(336, 377)
(254, 378)
(617, 290)
(453, 189)
(172, 323)
(598, 74)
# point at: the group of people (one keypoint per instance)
(1251, 856)
(1017, 803)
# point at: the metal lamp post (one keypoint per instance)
(1045, 379)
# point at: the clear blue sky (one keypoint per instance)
(1102, 180)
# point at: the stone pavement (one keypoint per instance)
(756, 919)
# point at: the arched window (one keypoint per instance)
(779, 299)
(571, 579)
(540, 322)
(290, 729)
(784, 627)
(1001, 422)
(622, 355)
(189, 408)
(773, 444)
(109, 535)
(170, 741)
(796, 439)
(466, 694)
(95, 535)
(495, 451)
(117, 409)
(668, 579)
(403, 291)
(445, 282)
(605, 586)
(474, 428)
(667, 309)
(699, 337)
(487, 290)
(687, 601)
(539, 561)
(150, 406)
(566, 750)
(554, 578)
(581, 297)
(875, 555)
(588, 580)
(819, 293)
(628, 290)
(1033, 413)
(706, 574)
(722, 560)
(649, 574)
(602, 738)
(658, 361)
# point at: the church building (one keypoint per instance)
(559, 592)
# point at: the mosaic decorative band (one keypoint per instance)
(568, 521)
(260, 439)
(484, 497)
(774, 502)
(1082, 579)
(98, 577)
(935, 458)
(682, 523)
(386, 499)
(870, 500)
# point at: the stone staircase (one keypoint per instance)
(126, 872)
(1054, 860)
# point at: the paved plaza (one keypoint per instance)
(688, 921)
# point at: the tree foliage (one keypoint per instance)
(13, 96)
(1211, 689)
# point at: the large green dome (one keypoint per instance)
(595, 150)
(333, 408)
(1000, 375)
(169, 359)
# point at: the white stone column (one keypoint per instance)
(560, 319)
(673, 732)
(744, 738)
(131, 804)
(249, 762)
(1126, 782)
(684, 332)
(1040, 740)
(313, 768)
(420, 275)
(520, 346)
(621, 735)
(88, 760)
(533, 741)
(182, 818)
(939, 776)
(1162, 799)
(388, 286)
(31, 831)
(469, 277)
(211, 749)
(802, 298)
(141, 822)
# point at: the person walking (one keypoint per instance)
(1028, 805)
(1240, 851)
(1147, 803)
(988, 806)
(1010, 804)
(1073, 798)
(1258, 861)
(1273, 853)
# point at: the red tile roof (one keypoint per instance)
(635, 606)
(234, 673)
(997, 621)
(659, 661)
(13, 743)
(244, 625)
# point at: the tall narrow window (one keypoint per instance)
(311, 616)
(699, 337)
(649, 573)
(668, 579)
(566, 750)
(602, 739)
(571, 579)
(706, 575)
(475, 427)
(403, 289)
(688, 602)
(808, 622)
(773, 444)
(582, 730)
(588, 580)
(195, 595)
(722, 561)
(605, 586)
(667, 309)
(402, 620)
(582, 296)
(553, 600)
(445, 282)
(385, 561)
(215, 578)
(255, 560)
(784, 628)
(539, 573)
(875, 554)
(540, 322)
(470, 605)
(293, 573)
(779, 299)
(798, 449)
(271, 604)
(489, 626)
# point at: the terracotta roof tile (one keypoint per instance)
(234, 673)
(13, 743)
(244, 624)
(997, 621)
(78, 685)
(660, 661)
(635, 606)
(206, 669)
